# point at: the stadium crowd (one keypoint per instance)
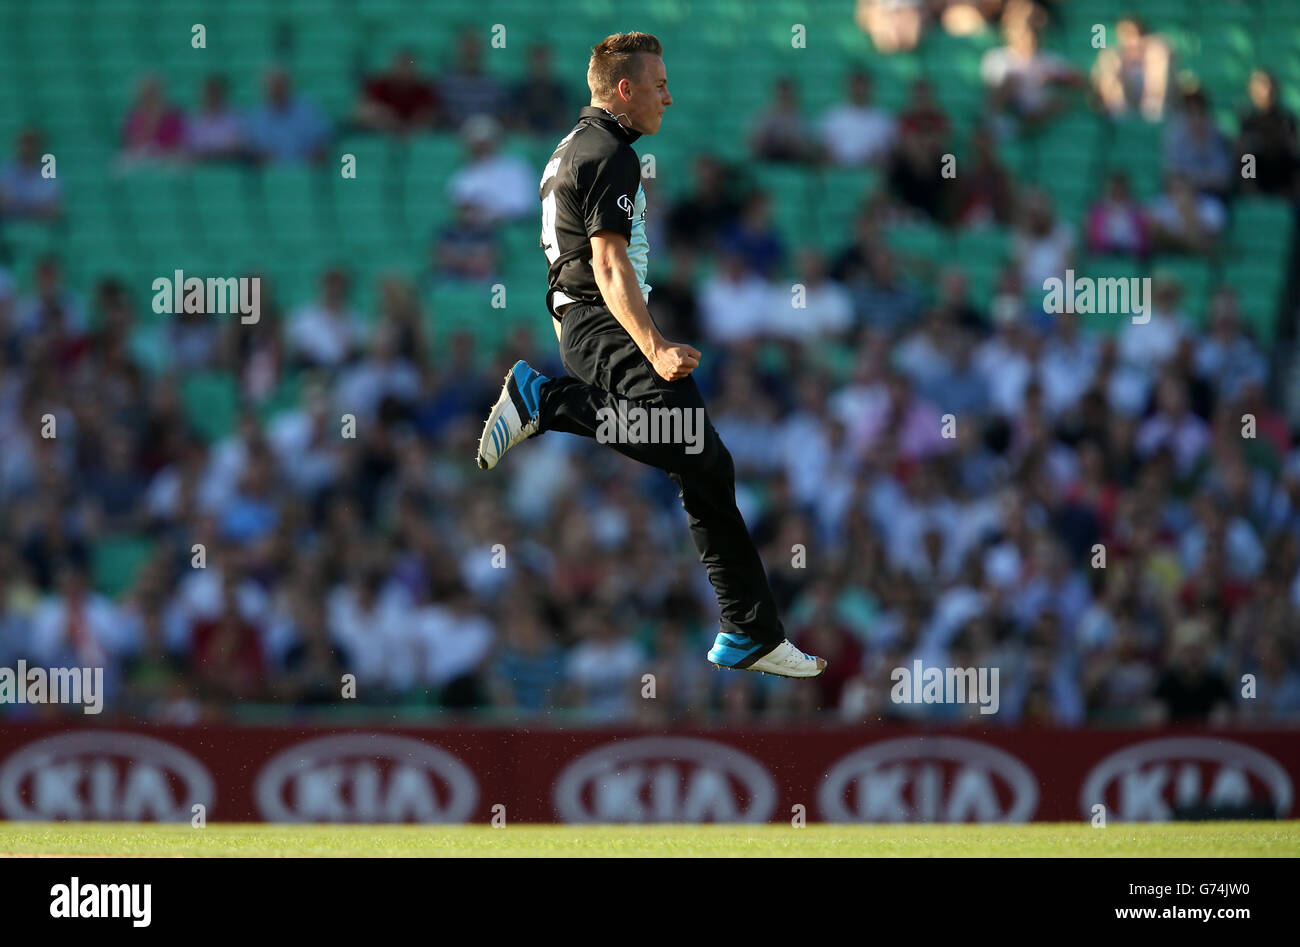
(1094, 519)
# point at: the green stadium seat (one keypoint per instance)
(295, 221)
(1195, 276)
(985, 245)
(1262, 225)
(211, 403)
(921, 241)
(1259, 286)
(117, 560)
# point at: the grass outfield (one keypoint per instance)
(1200, 839)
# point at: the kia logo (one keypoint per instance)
(1146, 781)
(665, 779)
(364, 777)
(101, 776)
(928, 779)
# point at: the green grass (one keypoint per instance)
(1203, 839)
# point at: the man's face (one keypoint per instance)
(644, 98)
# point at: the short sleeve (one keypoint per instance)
(611, 199)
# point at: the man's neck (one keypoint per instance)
(619, 117)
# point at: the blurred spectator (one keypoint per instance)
(987, 194)
(1133, 75)
(1190, 690)
(953, 300)
(1023, 80)
(468, 248)
(227, 651)
(906, 419)
(305, 442)
(1268, 132)
(252, 510)
(383, 375)
(540, 103)
(155, 682)
(286, 126)
(1146, 347)
(327, 332)
(54, 309)
(855, 132)
(528, 668)
(499, 186)
(399, 100)
(886, 299)
(153, 127)
(1118, 679)
(457, 639)
(734, 301)
(754, 237)
(1003, 362)
(1174, 427)
(893, 25)
(467, 90)
(823, 632)
(1277, 696)
(401, 313)
(26, 192)
(696, 220)
(1044, 244)
(853, 263)
(915, 168)
(1115, 224)
(216, 131)
(673, 303)
(781, 133)
(1184, 221)
(822, 307)
(313, 665)
(369, 617)
(1196, 149)
(1226, 357)
(193, 339)
(118, 489)
(76, 626)
(604, 668)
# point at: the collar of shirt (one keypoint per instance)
(605, 118)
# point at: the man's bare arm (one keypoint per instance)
(616, 280)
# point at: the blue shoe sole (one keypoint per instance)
(729, 651)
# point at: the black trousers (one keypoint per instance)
(605, 369)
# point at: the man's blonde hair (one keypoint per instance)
(616, 57)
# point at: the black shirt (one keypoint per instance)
(591, 183)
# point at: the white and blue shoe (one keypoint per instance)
(515, 417)
(742, 653)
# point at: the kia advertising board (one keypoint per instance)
(456, 775)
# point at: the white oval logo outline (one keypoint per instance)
(1021, 779)
(463, 797)
(135, 746)
(567, 795)
(1204, 749)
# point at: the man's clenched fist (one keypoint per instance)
(673, 361)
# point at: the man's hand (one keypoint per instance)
(617, 282)
(672, 360)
